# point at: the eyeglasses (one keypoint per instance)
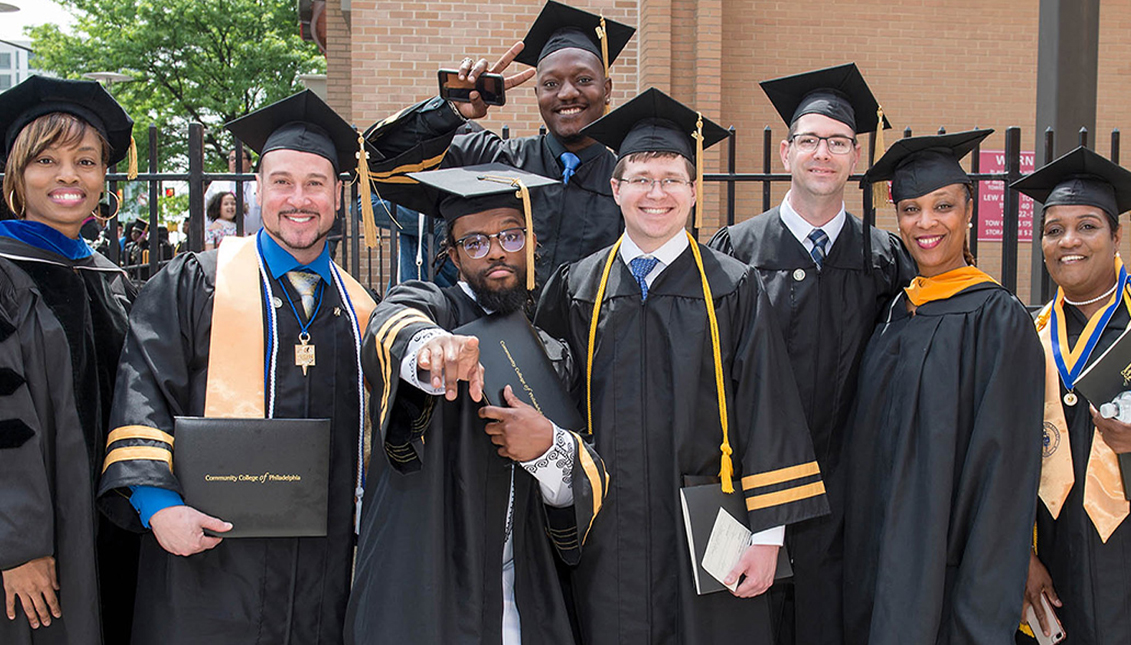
(837, 144)
(477, 245)
(644, 184)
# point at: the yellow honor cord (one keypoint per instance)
(364, 187)
(698, 136)
(880, 188)
(726, 468)
(523, 194)
(131, 155)
(593, 332)
(603, 36)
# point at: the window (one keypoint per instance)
(5, 82)
(5, 60)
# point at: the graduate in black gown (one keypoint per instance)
(826, 311)
(67, 571)
(944, 443)
(1082, 565)
(573, 88)
(459, 543)
(688, 377)
(211, 336)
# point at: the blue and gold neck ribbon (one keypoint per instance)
(1070, 361)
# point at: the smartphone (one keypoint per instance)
(490, 87)
(1035, 625)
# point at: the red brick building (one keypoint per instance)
(951, 63)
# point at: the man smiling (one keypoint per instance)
(210, 337)
(687, 369)
(464, 540)
(573, 89)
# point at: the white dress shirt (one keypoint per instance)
(801, 228)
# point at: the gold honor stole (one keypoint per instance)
(1104, 499)
(236, 359)
(940, 287)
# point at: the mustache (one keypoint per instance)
(495, 265)
(298, 211)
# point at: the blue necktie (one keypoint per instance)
(819, 239)
(640, 268)
(570, 162)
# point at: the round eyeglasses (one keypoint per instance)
(837, 144)
(477, 245)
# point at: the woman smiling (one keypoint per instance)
(1082, 557)
(944, 442)
(63, 315)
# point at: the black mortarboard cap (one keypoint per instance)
(653, 122)
(560, 26)
(87, 100)
(1080, 178)
(475, 189)
(300, 122)
(917, 166)
(837, 92)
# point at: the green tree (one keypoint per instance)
(192, 60)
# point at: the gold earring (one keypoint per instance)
(10, 198)
(97, 212)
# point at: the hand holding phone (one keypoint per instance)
(491, 87)
(1057, 630)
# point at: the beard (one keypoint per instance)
(503, 301)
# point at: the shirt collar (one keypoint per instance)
(666, 254)
(801, 228)
(279, 261)
(42, 236)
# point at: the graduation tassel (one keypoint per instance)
(131, 171)
(726, 467)
(698, 136)
(603, 36)
(880, 188)
(363, 182)
(523, 194)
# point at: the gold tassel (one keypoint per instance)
(131, 172)
(363, 183)
(523, 194)
(603, 36)
(880, 188)
(698, 136)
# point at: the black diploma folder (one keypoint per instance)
(511, 353)
(268, 477)
(1103, 380)
(701, 498)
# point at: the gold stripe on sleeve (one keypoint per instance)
(757, 502)
(139, 432)
(151, 453)
(595, 480)
(385, 337)
(781, 475)
(412, 167)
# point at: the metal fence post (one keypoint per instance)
(1010, 209)
(767, 140)
(196, 187)
(732, 164)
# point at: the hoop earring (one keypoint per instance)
(10, 199)
(97, 212)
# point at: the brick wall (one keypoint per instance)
(951, 63)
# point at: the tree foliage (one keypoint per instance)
(209, 61)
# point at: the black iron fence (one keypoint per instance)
(377, 266)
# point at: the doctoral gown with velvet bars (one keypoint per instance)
(245, 590)
(942, 460)
(656, 420)
(826, 318)
(62, 324)
(1092, 578)
(430, 555)
(572, 220)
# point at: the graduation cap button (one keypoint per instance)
(799, 274)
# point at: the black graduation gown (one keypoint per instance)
(942, 462)
(571, 220)
(62, 324)
(1093, 579)
(270, 591)
(430, 556)
(826, 318)
(655, 416)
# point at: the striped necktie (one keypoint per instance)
(819, 240)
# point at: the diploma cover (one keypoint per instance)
(1106, 378)
(268, 477)
(512, 353)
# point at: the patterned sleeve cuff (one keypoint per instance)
(554, 470)
(409, 371)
